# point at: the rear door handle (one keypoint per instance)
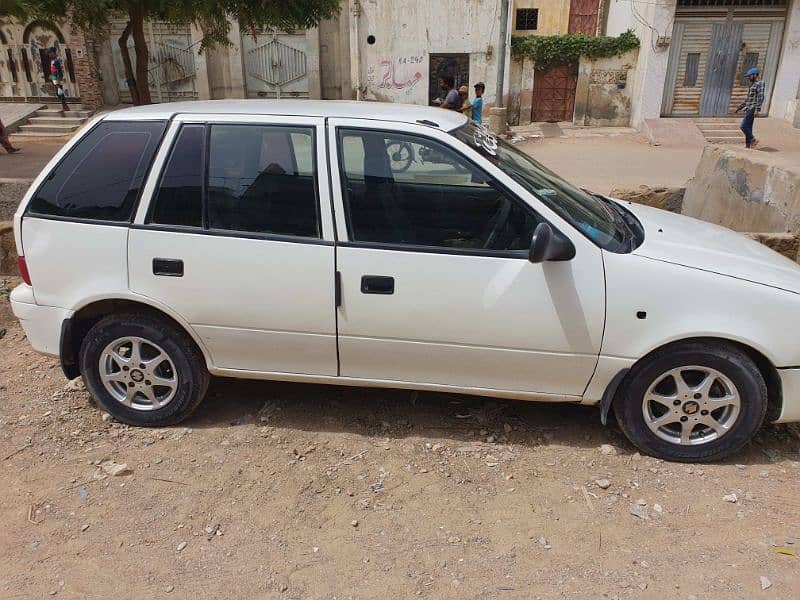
(168, 267)
(377, 284)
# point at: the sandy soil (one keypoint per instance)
(290, 491)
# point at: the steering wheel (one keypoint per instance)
(497, 223)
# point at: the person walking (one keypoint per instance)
(57, 77)
(752, 106)
(4, 141)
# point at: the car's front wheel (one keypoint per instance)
(698, 401)
(143, 370)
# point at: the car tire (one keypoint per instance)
(170, 384)
(717, 409)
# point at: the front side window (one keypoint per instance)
(258, 179)
(602, 221)
(101, 177)
(404, 189)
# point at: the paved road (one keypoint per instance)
(27, 164)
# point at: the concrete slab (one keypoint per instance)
(14, 114)
(672, 132)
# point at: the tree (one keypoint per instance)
(211, 16)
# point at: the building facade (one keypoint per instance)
(694, 53)
(690, 62)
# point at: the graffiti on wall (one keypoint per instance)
(402, 73)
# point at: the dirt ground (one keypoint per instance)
(277, 490)
(602, 164)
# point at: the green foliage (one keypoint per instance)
(212, 16)
(550, 50)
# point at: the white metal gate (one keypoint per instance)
(713, 43)
(25, 64)
(275, 64)
(172, 74)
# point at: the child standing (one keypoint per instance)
(477, 104)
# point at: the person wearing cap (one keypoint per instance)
(477, 104)
(466, 107)
(752, 106)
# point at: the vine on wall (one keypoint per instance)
(551, 50)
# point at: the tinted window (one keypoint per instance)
(261, 178)
(593, 216)
(102, 175)
(180, 194)
(408, 190)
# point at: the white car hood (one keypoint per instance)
(700, 245)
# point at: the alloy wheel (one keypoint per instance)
(138, 373)
(691, 405)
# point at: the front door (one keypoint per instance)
(435, 282)
(275, 64)
(554, 93)
(238, 241)
(712, 46)
(726, 40)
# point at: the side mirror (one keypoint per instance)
(549, 245)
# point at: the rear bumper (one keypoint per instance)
(42, 324)
(790, 386)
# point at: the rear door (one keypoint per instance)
(238, 239)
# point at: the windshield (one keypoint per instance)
(595, 217)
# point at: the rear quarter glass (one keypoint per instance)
(102, 175)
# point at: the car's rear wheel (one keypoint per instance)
(143, 370)
(698, 401)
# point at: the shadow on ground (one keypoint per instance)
(382, 413)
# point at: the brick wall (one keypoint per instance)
(86, 71)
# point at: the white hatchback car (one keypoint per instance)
(400, 246)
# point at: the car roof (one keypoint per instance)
(379, 111)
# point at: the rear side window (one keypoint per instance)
(261, 179)
(101, 177)
(249, 179)
(180, 195)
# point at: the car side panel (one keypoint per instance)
(680, 302)
(70, 261)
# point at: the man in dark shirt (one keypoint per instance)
(452, 99)
(752, 106)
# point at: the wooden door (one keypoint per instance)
(583, 16)
(554, 93)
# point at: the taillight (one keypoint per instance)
(23, 270)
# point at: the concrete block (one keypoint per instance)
(8, 250)
(498, 120)
(745, 190)
(672, 132)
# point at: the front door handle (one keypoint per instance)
(168, 267)
(377, 284)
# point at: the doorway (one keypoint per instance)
(554, 93)
(442, 65)
(712, 47)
